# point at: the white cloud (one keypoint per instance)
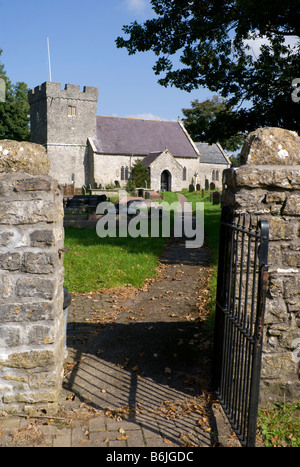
(137, 6)
(255, 44)
(146, 116)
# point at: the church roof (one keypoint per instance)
(150, 158)
(211, 154)
(118, 135)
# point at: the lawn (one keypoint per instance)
(95, 263)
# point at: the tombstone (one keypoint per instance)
(216, 197)
(206, 184)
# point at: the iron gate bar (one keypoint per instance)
(240, 303)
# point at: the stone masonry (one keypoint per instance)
(31, 281)
(267, 185)
(62, 120)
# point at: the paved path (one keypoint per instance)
(138, 367)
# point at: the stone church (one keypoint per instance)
(86, 149)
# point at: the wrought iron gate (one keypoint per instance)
(241, 291)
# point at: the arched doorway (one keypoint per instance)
(166, 178)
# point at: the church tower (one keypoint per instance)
(62, 120)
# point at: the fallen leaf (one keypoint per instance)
(167, 441)
(71, 397)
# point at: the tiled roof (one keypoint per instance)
(211, 154)
(118, 135)
(151, 158)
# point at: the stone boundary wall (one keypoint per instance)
(31, 281)
(267, 186)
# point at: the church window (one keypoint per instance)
(126, 173)
(184, 174)
(217, 175)
(71, 111)
(213, 175)
(122, 173)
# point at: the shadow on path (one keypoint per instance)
(144, 354)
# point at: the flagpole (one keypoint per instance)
(49, 59)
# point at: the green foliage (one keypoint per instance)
(14, 112)
(280, 426)
(140, 174)
(130, 186)
(211, 41)
(201, 121)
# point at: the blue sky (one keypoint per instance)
(82, 38)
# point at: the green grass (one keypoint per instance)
(95, 263)
(170, 197)
(280, 426)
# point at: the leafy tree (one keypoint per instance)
(211, 40)
(140, 174)
(130, 186)
(201, 121)
(14, 111)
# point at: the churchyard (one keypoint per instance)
(37, 258)
(94, 264)
(100, 264)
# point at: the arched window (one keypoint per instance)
(217, 175)
(184, 174)
(213, 176)
(126, 173)
(122, 173)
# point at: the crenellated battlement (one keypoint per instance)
(61, 119)
(70, 91)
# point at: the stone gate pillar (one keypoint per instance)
(31, 281)
(267, 185)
